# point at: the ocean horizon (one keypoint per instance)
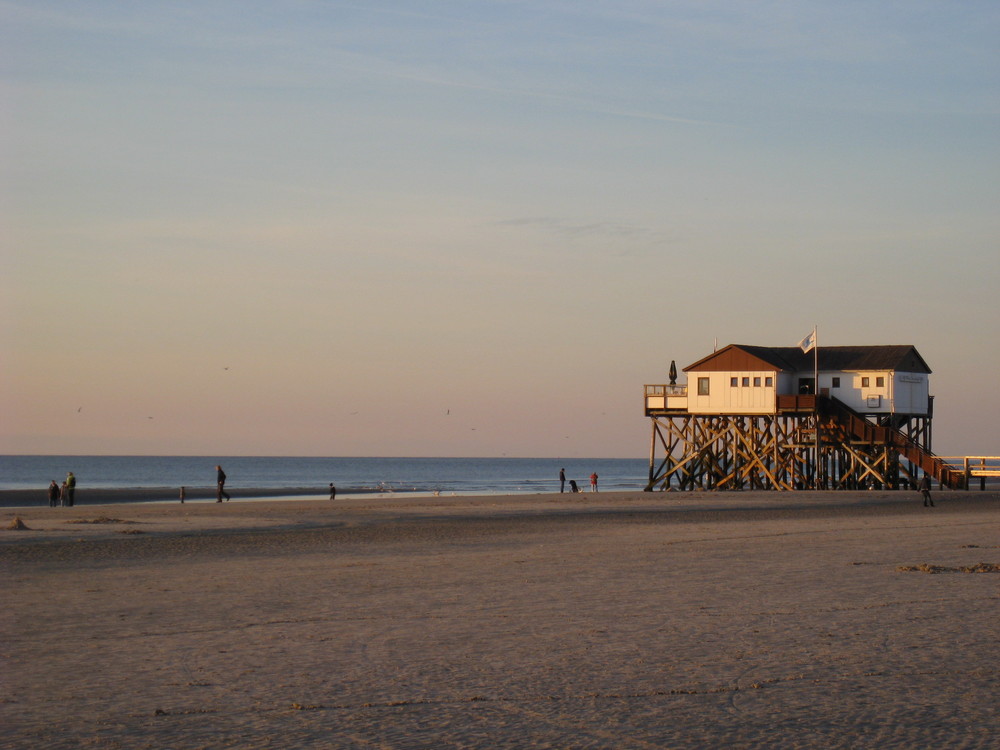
(460, 476)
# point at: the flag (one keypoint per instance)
(809, 342)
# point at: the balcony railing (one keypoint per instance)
(662, 398)
(666, 390)
(803, 403)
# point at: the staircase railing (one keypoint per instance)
(866, 431)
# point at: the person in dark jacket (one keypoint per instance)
(925, 490)
(220, 485)
(53, 494)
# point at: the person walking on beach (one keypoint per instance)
(70, 492)
(562, 479)
(333, 491)
(53, 494)
(220, 485)
(593, 482)
(925, 490)
(183, 494)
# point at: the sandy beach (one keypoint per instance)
(625, 620)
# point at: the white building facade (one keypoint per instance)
(738, 379)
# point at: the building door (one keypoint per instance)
(807, 386)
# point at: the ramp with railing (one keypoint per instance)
(984, 468)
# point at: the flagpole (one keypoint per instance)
(816, 399)
(816, 359)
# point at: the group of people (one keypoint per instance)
(573, 487)
(62, 494)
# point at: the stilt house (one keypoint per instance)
(839, 417)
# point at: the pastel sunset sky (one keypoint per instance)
(478, 228)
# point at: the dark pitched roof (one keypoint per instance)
(901, 358)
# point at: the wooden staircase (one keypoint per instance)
(866, 431)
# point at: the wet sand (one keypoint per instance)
(627, 620)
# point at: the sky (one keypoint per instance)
(479, 228)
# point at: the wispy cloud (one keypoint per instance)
(585, 229)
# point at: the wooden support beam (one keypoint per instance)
(771, 451)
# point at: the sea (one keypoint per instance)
(445, 476)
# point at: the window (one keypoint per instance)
(756, 382)
(880, 382)
(769, 382)
(865, 382)
(746, 382)
(702, 386)
(732, 382)
(836, 382)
